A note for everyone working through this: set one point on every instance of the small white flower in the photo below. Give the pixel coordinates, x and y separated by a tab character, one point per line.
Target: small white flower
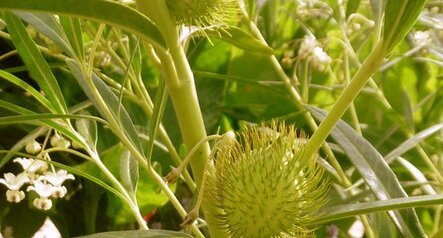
31	165
44	190
310	49
15	196
42	203
14	182
59	192
58	178
422	37
33	147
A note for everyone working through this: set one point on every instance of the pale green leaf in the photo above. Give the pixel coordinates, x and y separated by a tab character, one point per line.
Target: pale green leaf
109	12
400	16
375	171
129	171
333	213
239	38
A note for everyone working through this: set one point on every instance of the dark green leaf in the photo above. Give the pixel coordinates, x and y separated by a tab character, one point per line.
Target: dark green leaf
35	62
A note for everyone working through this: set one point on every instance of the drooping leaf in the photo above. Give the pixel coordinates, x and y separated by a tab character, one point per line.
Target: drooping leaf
35	62
111	102
109	12
48	26
375	171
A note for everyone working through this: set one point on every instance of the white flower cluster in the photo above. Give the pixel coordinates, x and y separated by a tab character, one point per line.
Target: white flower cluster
38	177
311	50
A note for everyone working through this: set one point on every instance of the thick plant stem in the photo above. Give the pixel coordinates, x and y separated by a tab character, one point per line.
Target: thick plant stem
368	68
180	83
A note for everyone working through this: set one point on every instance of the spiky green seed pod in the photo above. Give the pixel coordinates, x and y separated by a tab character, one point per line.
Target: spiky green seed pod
263	186
203	13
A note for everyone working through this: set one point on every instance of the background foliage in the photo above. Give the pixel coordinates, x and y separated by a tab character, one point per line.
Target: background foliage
389	143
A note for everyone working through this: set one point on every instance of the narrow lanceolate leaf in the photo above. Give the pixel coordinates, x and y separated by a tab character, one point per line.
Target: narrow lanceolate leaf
129	171
117	112
109	12
28	88
48	26
332	213
73	31
237	37
413	141
352	7
400	16
36	63
377	7
376	172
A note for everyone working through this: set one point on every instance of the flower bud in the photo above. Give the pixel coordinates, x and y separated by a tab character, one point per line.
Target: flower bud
33	147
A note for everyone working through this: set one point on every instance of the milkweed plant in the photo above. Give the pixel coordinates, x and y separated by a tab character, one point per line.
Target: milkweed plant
297	118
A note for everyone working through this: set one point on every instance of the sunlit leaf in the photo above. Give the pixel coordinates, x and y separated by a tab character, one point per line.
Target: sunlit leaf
111	12
400	16
375	171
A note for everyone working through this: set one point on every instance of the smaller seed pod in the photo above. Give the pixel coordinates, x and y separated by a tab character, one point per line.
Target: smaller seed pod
263	185
203	13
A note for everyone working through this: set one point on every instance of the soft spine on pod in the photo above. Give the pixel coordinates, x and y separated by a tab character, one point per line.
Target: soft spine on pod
263	186
203	13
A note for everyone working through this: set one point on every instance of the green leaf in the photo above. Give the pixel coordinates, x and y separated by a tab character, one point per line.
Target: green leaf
400	16
375	171
333	213
239	38
117	110
35	62
88	129
377	7
413	141
139	234
28	88
48	26
352	7
73	31
129	171
109	12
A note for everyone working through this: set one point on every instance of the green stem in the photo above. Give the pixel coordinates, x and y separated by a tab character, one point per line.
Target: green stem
180	82
368	68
